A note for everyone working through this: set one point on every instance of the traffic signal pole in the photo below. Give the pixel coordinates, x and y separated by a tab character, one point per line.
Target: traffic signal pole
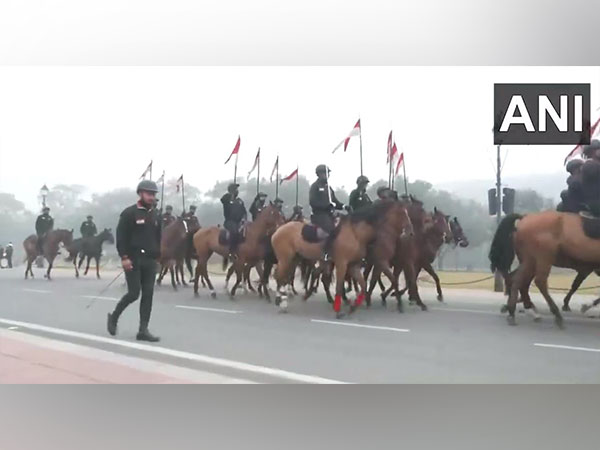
498	281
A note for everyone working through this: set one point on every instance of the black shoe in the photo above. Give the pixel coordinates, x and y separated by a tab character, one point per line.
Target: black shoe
111	325
147	336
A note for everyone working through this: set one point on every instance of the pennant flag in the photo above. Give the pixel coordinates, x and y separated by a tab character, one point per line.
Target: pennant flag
400	160
275	168
355	132
179	183
290	176
256	160
162	178
578	150
390	148
147	171
235	150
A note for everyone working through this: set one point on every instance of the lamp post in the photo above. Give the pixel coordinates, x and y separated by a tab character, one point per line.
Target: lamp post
44	191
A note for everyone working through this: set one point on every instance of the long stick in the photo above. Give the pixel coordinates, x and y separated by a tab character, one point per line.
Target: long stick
405	181
183	193
162	192
151	164
258	174
297	176
277	179
235	168
360	136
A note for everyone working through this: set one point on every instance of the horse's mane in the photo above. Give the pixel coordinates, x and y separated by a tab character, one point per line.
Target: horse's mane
370	214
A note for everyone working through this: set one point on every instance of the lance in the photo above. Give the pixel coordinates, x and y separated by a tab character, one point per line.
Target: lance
162	192
183	193
360	137
277	179
297	176
258	174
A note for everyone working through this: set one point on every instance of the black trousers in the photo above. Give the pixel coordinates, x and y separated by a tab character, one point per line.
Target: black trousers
139	279
235	237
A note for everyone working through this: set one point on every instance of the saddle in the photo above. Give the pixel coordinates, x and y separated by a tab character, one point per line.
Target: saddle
309	234
591	225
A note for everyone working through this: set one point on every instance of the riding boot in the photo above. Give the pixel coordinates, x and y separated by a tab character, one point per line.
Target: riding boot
145	335
111	324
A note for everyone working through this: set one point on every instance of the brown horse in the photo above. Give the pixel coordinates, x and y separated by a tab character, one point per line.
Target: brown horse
349	247
249	252
173	248
49	248
540	240
89	247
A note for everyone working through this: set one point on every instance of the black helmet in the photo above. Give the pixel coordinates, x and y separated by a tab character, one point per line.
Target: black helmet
192	207
592	146
278	200
382	189
232	187
148	186
262	194
45	209
297	208
90	217
169	208
362	180
322	168
573	165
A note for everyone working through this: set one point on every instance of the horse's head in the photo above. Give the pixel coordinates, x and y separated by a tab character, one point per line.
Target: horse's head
271	217
398	214
107	236
457	233
441	225
417	214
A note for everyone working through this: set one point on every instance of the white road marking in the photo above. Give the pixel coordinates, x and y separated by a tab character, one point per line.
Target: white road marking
568	347
374	327
199	308
37	291
96	297
220	362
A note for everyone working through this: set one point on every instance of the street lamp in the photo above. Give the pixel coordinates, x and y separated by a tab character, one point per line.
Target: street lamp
44	191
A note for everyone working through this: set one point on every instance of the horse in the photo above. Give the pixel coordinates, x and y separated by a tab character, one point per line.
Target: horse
90	247
49	248
173	248
423	250
349	246
540	241
250	251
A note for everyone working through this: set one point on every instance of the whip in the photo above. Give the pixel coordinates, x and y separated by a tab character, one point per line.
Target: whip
104	290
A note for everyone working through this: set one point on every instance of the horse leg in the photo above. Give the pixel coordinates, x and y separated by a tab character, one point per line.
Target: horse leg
410	273
526	280
429	269
81	258
75	267
541	281
341	268
50	262
97	267
387	271
239	268
521	279
580	278
247	270
87	266
172	272
227	277
359	280
374	277
197	277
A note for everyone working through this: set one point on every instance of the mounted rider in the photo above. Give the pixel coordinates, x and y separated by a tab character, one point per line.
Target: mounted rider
359	197
323	203
235	216
189	214
167	217
258	204
590	178
297	214
278	203
88	228
43	224
572	199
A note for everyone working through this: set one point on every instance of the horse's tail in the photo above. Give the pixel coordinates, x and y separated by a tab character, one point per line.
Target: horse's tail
267	268
225	263
502	250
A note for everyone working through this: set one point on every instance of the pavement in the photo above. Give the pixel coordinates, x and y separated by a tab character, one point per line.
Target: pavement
54	332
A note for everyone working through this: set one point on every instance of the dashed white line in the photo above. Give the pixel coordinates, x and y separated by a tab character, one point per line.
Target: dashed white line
37	291
219	362
96	297
568	347
200	308
373	327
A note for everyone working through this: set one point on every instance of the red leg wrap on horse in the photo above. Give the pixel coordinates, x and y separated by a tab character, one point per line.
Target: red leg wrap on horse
337	303
360	299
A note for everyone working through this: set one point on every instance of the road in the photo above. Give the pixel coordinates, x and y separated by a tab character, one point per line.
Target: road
463	340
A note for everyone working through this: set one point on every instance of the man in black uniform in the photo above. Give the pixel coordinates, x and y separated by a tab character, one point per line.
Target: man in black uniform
138	245
278	203
43	225
235	215
297	214
359	197
191	213
8	252
167	217
257	205
88	228
323	202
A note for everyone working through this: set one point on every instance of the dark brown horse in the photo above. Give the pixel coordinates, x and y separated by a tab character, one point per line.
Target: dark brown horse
349	247
174	248
90	247
49	248
249	252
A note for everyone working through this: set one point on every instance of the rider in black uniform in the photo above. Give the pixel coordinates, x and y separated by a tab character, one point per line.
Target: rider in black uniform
43	224
235	215
257	205
572	197
167	218
88	228
590	178
359	197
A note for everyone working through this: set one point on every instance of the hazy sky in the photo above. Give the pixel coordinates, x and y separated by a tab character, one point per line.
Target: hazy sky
100	126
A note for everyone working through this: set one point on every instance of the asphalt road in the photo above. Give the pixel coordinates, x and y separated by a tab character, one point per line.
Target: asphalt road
463	340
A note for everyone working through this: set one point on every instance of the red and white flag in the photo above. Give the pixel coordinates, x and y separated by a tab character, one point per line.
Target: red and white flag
147	171
355	132
290	176
179	183
400	160
161	179
578	150
391	152
256	162
275	168
235	150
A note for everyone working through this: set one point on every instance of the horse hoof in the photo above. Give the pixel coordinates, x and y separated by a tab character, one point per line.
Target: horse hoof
566	308
440	298
196	294
352	309
340	315
400	307
585	308
559	322
213	295
503	309
511	320
283	305
537	319
423	307
278	300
